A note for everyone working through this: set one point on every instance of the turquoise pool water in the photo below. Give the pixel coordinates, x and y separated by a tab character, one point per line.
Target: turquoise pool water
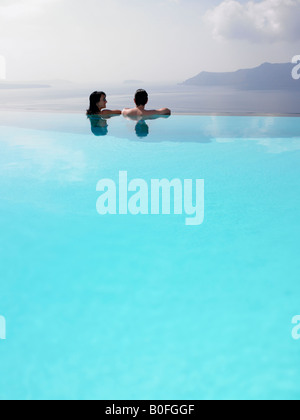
144	307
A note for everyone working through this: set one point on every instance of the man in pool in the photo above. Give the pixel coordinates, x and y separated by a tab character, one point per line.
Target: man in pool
141	100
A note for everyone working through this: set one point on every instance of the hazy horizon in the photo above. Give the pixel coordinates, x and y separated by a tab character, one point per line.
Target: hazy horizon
165	41
180	99
119	83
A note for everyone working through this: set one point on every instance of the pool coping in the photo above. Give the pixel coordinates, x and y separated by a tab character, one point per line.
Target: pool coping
201	114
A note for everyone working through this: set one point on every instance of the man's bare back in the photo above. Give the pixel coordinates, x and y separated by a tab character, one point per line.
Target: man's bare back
139	112
141	100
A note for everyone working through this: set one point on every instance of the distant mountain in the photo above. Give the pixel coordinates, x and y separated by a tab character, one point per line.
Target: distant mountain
265	77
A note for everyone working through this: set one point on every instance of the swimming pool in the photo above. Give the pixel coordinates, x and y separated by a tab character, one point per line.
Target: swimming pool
145	307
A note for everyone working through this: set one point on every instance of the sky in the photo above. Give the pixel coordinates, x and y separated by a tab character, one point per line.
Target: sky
153	41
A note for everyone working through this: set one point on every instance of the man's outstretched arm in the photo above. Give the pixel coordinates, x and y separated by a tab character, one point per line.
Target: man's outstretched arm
163	111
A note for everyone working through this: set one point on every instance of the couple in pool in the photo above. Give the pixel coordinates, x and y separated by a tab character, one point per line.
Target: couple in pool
98	104
98	114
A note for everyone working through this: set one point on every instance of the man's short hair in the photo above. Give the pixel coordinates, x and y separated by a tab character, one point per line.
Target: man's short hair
141	97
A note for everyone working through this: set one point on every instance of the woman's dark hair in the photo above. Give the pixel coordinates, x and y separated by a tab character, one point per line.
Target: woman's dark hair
141	97
94	99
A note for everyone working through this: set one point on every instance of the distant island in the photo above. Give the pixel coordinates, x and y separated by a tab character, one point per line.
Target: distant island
265	77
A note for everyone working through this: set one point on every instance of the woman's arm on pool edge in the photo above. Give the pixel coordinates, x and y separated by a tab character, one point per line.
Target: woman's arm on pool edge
109	112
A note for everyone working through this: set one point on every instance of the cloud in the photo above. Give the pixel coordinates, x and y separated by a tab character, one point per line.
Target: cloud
263	21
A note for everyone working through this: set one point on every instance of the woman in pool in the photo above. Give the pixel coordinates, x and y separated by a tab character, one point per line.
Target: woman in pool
98	104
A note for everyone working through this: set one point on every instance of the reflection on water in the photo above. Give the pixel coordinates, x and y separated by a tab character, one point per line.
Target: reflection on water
64	145
176	129
99	126
142	129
